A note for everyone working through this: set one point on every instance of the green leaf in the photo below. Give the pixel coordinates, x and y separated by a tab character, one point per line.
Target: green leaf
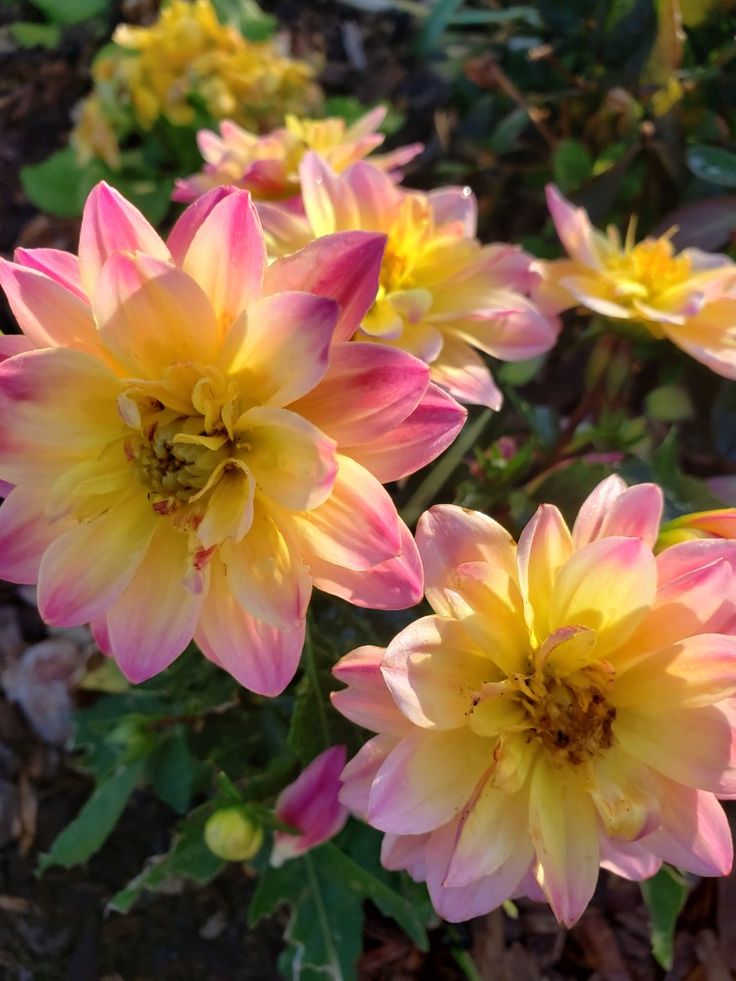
506	134
664	895
572	165
435	24
188	856
94	823
306	737
347	107
519	373
444	467
325	930
71	11
669	403
54	185
247	16
712	164
309	730
341	867
29	35
171	770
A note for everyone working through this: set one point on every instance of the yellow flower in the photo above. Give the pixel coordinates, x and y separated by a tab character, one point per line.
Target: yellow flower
688	297
93	136
187	55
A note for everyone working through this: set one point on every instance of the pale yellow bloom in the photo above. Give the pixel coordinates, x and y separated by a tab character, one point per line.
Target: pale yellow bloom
93	136
689	297
268	166
184	59
187	50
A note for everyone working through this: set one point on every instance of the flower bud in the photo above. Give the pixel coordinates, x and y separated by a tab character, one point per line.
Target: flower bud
231	834
310	805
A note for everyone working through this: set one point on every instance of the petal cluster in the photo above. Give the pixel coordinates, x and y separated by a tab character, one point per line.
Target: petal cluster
185	58
442	295
268	166
688	297
192	446
718	523
311	806
569	705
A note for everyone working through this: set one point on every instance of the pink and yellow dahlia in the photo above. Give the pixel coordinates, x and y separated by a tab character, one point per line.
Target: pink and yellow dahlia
442	294
719	523
568	705
268	166
688	297
191	444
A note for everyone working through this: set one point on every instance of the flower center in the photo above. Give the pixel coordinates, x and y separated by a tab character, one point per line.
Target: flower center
573	721
406	242
648	269
567	713
181	441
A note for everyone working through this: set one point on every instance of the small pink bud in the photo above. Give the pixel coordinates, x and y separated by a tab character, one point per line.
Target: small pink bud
310	804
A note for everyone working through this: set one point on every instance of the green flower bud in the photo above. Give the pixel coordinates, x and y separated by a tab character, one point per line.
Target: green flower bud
231	834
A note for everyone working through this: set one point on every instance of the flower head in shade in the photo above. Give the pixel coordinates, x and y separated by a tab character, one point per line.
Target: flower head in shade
568	705
310	805
192	445
689	297
719	523
442	295
268	166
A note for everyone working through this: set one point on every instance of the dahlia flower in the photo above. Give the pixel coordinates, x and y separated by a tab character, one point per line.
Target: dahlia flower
187	50
568	705
688	297
442	294
268	166
192	446
310	805
719	523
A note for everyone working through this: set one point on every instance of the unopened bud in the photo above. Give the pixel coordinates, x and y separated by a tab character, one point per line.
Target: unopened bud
232	835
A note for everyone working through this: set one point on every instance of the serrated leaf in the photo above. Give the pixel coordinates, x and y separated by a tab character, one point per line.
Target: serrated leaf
325	929
97	819
171	770
337	865
189	856
664	895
